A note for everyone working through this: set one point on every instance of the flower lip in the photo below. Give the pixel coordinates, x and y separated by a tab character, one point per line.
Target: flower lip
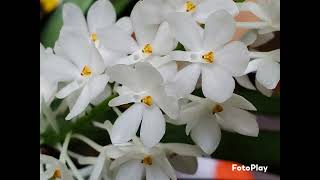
147	49
147	160
190	6
147	100
217	108
86	71
208	57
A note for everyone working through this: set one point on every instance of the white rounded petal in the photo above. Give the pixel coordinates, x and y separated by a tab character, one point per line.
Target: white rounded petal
73	18
263	90
165	166
151	11
207	134
100	14
186	79
164	41
101	163
132	170
125	24
238	120
127	124
234	57
80	105
168	71
249	38
153	126
68	89
155	173
57	69
144	33
168	104
245	82
102	96
220	28
116	39
186	30
205	8
253	65
217	84
240	102
148	76
268	74
122	99
97	65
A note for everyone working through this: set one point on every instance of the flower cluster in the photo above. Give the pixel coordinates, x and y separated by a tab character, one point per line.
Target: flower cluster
153	61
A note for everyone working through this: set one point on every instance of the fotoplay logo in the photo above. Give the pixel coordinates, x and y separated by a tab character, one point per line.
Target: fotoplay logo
252	167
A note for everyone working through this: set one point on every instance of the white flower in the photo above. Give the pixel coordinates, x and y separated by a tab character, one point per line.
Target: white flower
81	68
53	169
138	161
142	85
101	18
253	39
155	11
210	54
268	11
267	67
205	117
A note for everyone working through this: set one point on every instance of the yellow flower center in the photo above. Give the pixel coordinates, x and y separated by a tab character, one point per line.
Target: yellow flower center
190	6
147	160
147	49
49	5
147	100
217	108
208	57
86	71
94	37
56	174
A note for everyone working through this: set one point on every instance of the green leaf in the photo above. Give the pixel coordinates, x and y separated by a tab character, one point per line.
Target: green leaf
51	29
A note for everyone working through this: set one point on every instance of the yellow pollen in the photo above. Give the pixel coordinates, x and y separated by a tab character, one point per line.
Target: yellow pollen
208	57
147	100
49	5
56	174
218	108
94	37
147	49
86	71
190	6
147	160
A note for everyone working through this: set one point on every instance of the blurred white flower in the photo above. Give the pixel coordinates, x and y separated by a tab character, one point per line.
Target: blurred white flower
211	55
143	86
205	117
268	11
156	11
81	68
52	168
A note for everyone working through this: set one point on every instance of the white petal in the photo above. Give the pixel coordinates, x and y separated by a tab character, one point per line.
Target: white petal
240	102
238	120
81	103
234	57
168	71
97	65
207	134
263	90
268	74
255	9
73	18
220	28
122	99
186	79
116	39
102	96
186	30
249	38
132	170
168	104
262	39
155	173
153	126
253	65
164	41
217	84
144	32
245	82
148	76
151	11
68	89
165	166
125	24
205	8
99	166
59	69
127	124
101	14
